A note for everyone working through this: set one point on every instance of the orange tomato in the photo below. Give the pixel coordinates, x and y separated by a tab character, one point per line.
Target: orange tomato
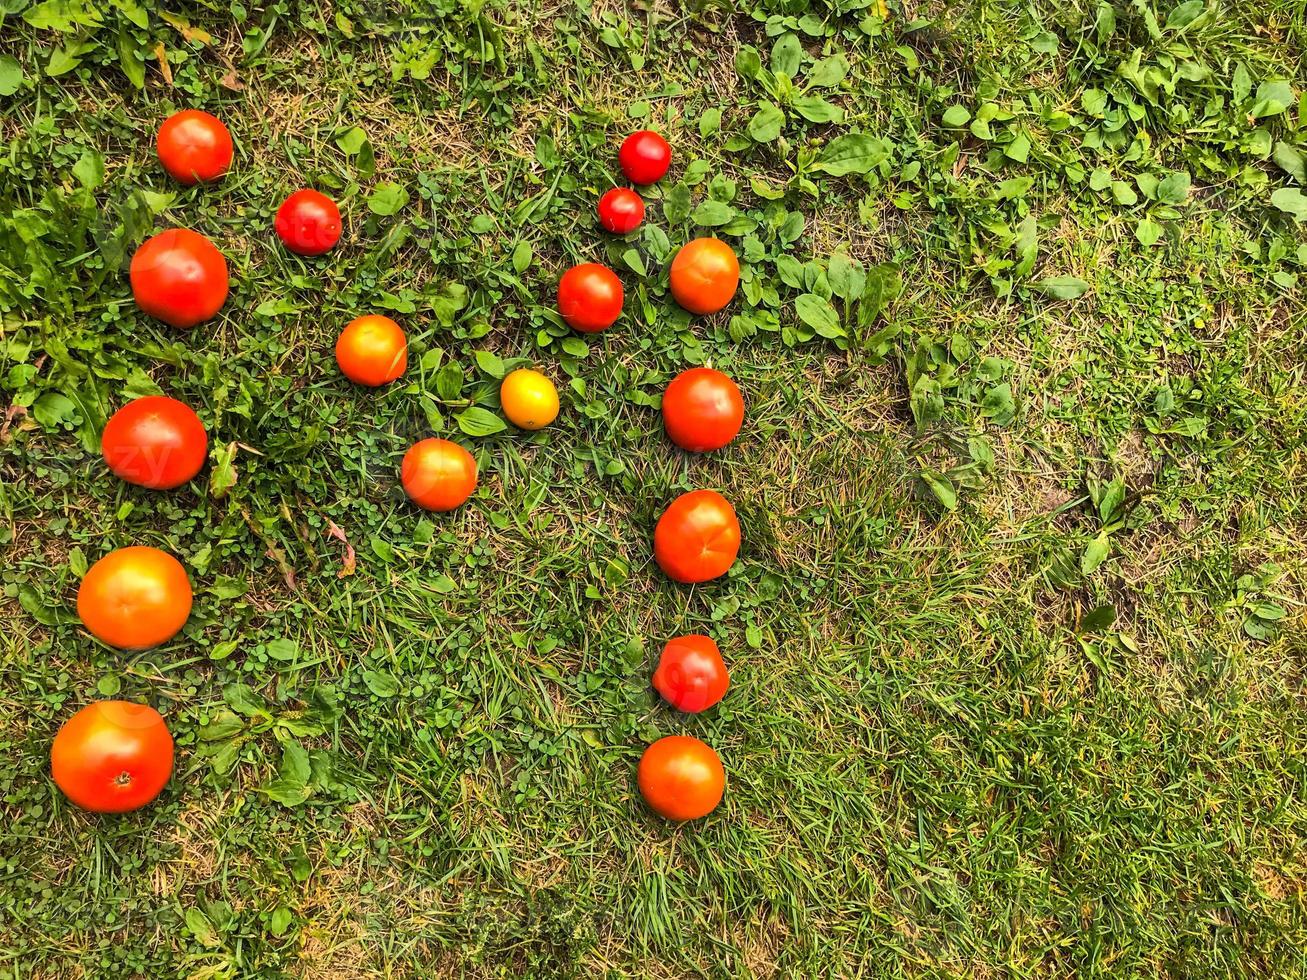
438	474
135	598
112	756
705	275
698	537
681	778
372	350
529	399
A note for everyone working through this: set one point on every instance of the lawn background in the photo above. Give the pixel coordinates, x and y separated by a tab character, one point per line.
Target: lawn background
1016	637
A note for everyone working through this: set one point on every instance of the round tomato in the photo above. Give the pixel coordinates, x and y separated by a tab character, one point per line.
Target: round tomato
155	442
372	350
194	146
135	598
681	778
621	210
705	275
702	409
698	537
308	223
590	297
691	674
438	474
179	277
529	399
112	756
645	157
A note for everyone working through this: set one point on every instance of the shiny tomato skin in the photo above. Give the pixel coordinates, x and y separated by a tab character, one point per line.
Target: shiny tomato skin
698	537
156	442
135	598
644	157
438	474
705	275
308	222
112	756
621	210
681	778
590	297
691	675
702	410
372	350
179	277
194	146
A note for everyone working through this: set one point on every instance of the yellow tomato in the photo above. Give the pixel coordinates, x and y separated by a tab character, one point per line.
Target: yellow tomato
530	399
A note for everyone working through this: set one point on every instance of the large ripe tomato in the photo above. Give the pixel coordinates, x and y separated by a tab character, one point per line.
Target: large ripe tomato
179	277
529	399
698	537
702	409
308	223
590	297
372	350
621	210
438	474
112	756
194	146
645	157
135	598
156	442
705	275
681	778
691	674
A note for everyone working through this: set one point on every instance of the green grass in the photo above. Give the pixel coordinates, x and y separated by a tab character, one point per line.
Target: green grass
1016	636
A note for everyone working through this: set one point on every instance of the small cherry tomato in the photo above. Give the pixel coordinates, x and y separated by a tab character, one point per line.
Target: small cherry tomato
135	598
681	778
308	223
156	442
702	410
529	399
590	297
372	350
194	146
705	275
698	537
621	210
645	157
438	474
691	674
179	277
112	756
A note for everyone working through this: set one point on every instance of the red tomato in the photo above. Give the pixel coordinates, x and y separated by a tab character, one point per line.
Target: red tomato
691	674
135	598
308	223
645	157
179	277
702	409
621	210
681	778
438	474
194	146
155	442
590	297
698	537
112	756
705	275
372	350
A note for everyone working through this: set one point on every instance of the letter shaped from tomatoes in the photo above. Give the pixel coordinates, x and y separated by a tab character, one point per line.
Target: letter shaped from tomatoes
681	778
705	275
438	474
179	277
135	598
702	410
698	537
112	756
691	674
155	442
590	297
194	146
